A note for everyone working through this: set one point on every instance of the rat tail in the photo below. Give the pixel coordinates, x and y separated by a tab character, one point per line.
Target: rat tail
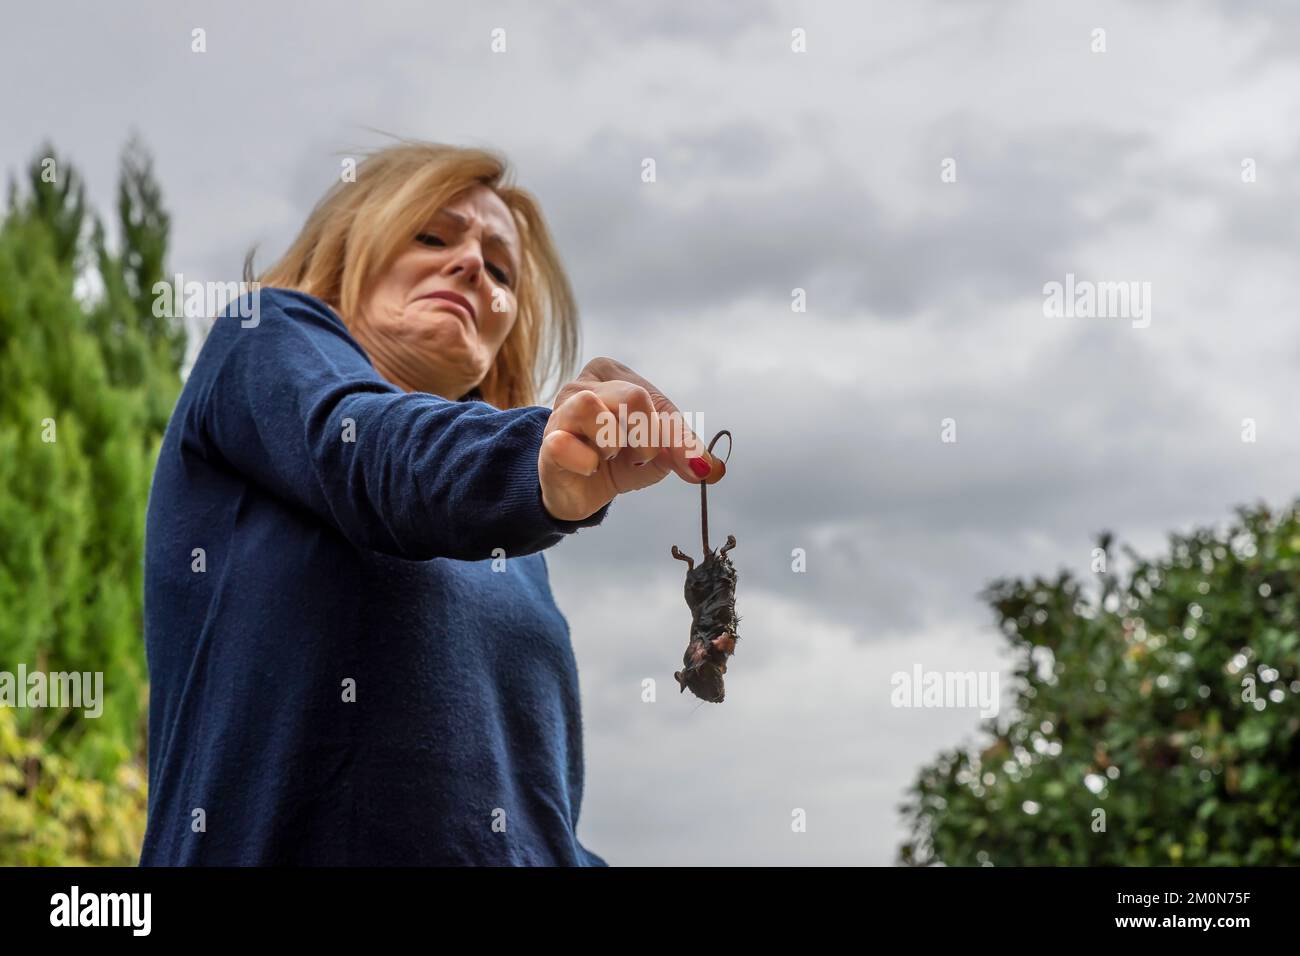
704	491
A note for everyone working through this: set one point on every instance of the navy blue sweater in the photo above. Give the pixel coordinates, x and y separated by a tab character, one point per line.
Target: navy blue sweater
346	673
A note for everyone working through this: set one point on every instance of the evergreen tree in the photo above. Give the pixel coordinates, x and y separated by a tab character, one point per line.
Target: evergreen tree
89	383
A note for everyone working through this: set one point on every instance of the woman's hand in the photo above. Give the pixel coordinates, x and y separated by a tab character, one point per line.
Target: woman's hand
587	458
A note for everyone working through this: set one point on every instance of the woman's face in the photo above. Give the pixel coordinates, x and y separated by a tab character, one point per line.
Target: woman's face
416	337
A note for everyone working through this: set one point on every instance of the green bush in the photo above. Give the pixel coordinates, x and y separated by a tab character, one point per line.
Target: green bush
53	815
1164	697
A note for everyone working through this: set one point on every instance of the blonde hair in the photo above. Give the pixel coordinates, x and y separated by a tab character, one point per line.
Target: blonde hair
359	228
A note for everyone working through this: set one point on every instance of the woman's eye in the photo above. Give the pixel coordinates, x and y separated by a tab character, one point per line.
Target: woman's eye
429	239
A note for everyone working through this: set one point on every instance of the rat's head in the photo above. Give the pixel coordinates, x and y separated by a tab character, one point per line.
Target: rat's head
704	680
703	667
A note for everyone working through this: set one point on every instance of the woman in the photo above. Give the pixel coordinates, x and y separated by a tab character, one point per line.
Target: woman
343	670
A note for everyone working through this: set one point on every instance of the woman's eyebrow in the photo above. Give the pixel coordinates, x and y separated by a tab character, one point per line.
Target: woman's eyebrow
495	238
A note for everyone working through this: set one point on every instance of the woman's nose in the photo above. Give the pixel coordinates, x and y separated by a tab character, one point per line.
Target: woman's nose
467	260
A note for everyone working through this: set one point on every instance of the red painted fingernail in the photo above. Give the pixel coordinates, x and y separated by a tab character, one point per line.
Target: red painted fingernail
699	466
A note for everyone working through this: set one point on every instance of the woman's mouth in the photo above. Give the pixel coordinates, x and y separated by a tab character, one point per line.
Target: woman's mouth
457	303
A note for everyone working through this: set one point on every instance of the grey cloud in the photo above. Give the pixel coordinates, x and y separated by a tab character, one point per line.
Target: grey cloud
1016	218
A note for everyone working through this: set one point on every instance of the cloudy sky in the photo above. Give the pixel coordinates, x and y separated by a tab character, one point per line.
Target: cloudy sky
780	170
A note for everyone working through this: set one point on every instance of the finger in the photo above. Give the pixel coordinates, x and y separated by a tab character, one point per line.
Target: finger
719	470
678	444
680	449
624	404
569	452
629	475
583	415
629	425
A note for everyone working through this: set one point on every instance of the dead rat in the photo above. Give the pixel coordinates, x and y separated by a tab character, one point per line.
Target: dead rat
711	595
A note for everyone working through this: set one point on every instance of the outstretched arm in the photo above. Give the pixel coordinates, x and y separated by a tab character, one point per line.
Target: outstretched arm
294	405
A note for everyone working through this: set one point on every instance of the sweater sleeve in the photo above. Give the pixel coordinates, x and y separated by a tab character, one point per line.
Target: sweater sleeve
293	404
